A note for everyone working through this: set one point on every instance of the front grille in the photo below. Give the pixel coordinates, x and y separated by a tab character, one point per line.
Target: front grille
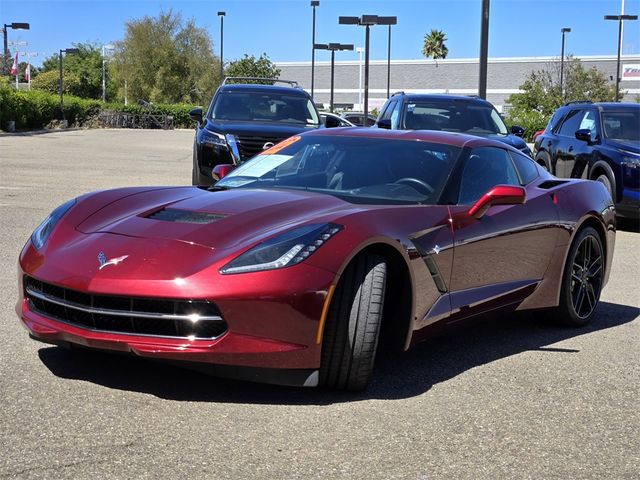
188	319
250	146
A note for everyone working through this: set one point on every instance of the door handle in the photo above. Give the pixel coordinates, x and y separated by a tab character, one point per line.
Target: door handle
571	148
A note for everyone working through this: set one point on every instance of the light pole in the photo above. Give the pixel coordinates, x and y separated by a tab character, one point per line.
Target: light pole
563	30
333	47
393	21
360	50
484	49
15	26
314	4
366	21
104	76
221	15
620	19
66	50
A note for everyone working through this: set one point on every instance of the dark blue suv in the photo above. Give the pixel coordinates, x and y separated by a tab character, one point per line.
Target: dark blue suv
245	118
449	113
596	141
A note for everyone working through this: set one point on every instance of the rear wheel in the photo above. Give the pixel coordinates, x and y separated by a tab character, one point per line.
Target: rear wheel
351	333
582	281
543	160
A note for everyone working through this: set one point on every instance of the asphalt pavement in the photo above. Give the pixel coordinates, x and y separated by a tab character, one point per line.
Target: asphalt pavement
512	397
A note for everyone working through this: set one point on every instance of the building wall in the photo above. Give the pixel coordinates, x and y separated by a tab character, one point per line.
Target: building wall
456	76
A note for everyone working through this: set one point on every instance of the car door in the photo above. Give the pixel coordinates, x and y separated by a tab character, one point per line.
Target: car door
568	146
500	258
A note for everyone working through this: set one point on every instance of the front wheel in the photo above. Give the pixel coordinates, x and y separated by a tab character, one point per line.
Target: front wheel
604	179
351	333
582	281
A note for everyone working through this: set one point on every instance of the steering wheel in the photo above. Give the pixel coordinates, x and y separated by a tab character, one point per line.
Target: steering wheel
416	182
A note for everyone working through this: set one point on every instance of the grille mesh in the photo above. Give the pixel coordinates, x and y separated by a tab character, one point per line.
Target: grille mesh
127	315
250	146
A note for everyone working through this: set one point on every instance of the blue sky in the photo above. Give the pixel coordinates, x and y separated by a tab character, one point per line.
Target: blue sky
282	28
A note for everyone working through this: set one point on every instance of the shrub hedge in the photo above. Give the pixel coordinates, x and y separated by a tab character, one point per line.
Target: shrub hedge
36	109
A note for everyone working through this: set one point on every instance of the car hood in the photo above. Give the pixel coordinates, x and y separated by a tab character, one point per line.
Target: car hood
259	129
626	145
214	219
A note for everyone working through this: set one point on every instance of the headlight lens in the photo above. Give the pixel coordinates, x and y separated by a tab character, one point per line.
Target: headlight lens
285	250
631	162
213	139
42	231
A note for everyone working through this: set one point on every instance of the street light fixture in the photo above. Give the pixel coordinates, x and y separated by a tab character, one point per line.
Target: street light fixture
314	4
67	51
563	30
366	21
333	47
620	19
104	76
221	15
15	26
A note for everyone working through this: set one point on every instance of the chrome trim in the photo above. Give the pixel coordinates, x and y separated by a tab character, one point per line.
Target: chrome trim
233	148
119	313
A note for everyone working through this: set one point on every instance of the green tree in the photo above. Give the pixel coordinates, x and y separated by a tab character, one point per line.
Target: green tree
49	81
250	66
541	94
434	46
165	60
86	65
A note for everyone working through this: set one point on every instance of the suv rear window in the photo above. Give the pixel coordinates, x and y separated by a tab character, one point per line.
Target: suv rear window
453	117
264	107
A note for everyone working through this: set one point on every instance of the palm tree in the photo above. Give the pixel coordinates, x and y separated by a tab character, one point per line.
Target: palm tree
434	45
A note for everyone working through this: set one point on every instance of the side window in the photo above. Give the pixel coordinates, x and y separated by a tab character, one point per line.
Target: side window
386	113
485	168
571	123
589	122
554	123
526	167
395	115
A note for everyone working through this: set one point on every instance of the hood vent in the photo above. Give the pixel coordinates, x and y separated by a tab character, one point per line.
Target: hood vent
184	216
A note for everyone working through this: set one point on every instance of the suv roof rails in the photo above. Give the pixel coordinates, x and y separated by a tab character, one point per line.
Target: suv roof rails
262	79
401	92
574	102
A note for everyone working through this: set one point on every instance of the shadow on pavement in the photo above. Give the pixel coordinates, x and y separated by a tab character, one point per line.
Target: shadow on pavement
396	376
628	224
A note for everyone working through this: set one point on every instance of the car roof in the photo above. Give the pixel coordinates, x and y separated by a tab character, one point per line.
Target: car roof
254	87
443	97
447	138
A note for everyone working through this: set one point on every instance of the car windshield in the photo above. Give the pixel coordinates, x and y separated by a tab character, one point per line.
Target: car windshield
453	116
264	107
356	169
622	125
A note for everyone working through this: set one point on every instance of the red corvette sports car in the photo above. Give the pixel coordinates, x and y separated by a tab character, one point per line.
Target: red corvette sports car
293	267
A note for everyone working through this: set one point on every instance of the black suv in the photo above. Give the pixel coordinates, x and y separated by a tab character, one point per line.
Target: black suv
245	118
449	113
596	141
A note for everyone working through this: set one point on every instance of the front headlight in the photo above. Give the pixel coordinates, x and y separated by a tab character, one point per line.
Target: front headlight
285	250
213	139
630	162
42	231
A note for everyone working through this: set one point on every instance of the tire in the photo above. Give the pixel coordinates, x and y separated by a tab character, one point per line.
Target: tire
606	181
352	329
581	286
543	160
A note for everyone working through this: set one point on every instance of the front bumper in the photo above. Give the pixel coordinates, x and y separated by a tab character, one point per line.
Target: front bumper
273	318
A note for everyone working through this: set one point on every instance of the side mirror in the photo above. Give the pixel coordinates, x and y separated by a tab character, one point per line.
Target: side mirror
221	171
584	134
196	115
498	195
384	123
331	122
517	130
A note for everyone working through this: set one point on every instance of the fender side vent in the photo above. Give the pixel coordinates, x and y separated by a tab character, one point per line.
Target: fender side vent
549	184
184	216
